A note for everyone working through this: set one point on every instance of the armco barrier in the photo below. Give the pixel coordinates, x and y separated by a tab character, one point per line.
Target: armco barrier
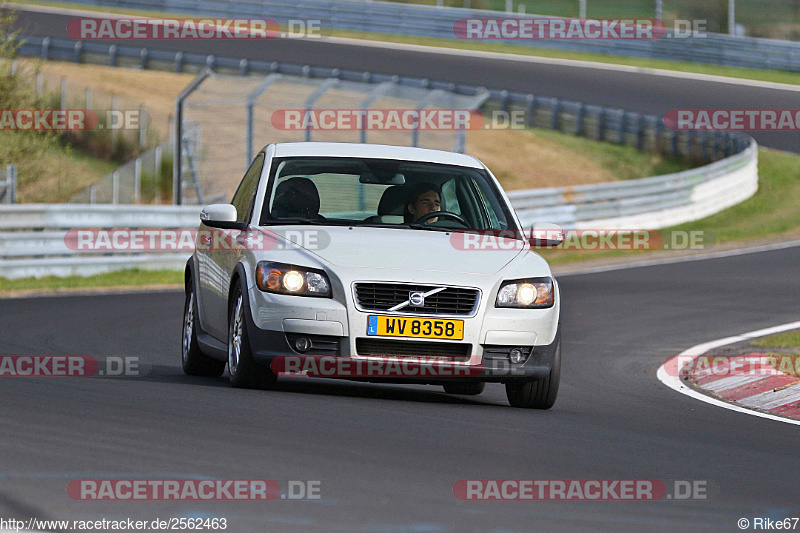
649	203
37	245
431	21
32	238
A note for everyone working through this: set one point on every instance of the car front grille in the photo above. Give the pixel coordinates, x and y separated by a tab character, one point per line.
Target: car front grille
384	296
453	350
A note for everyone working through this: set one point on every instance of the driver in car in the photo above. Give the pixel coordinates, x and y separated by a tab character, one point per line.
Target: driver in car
424	198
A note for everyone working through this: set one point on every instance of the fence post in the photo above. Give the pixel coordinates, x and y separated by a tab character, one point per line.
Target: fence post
137	180
93	194
46	48
601	124
11	183
114	132
640	133
177	157
530	104
555	110
63	92
178	63
158	162
88	98
142	126
115	187
157	172
39	83
579	117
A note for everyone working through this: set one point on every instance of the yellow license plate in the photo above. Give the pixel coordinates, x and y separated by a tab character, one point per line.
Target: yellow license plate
425	328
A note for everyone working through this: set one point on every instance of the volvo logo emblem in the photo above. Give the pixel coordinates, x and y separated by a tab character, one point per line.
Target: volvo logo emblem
416	299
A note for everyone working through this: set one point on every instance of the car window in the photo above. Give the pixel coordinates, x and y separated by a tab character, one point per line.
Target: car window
357	191
243	198
449	199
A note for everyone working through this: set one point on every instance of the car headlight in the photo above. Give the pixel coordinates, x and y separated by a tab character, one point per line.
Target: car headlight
289	279
533	293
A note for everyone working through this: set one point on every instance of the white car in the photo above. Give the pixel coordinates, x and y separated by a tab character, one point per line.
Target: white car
355	253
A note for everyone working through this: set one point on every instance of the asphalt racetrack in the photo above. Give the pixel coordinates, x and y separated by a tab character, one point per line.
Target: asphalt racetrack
387	456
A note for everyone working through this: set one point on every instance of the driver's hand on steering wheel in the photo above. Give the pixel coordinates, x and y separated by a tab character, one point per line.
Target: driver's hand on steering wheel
427	202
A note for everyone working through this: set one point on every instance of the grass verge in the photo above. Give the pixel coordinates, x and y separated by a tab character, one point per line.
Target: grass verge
680	66
122	278
789	339
770	214
789	345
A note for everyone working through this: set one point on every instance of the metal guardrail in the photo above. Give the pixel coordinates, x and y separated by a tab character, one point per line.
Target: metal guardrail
432	21
33	238
71	216
649	203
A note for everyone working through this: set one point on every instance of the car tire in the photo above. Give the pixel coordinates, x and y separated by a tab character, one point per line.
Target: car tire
539	393
194	361
466	389
244	372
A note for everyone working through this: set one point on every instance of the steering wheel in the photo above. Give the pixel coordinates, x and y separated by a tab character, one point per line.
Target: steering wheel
443	214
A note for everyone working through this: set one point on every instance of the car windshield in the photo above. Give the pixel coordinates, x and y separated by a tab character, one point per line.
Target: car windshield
380	192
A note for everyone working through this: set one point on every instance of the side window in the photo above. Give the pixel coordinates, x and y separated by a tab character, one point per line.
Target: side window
243	198
449	199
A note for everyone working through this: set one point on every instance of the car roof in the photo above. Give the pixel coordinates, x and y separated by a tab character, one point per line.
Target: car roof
374	151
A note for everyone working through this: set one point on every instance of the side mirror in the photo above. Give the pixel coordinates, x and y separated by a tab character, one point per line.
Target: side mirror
546	235
221	216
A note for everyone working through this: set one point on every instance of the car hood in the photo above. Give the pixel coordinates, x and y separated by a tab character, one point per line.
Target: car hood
402	249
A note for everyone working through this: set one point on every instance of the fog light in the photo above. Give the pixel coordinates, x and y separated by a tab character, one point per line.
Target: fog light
302	344
516	356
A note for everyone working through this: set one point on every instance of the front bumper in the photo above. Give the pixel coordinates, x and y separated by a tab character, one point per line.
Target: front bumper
275	321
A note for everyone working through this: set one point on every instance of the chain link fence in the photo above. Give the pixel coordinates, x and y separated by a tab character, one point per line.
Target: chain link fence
227	120
145	180
125	123
125	130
